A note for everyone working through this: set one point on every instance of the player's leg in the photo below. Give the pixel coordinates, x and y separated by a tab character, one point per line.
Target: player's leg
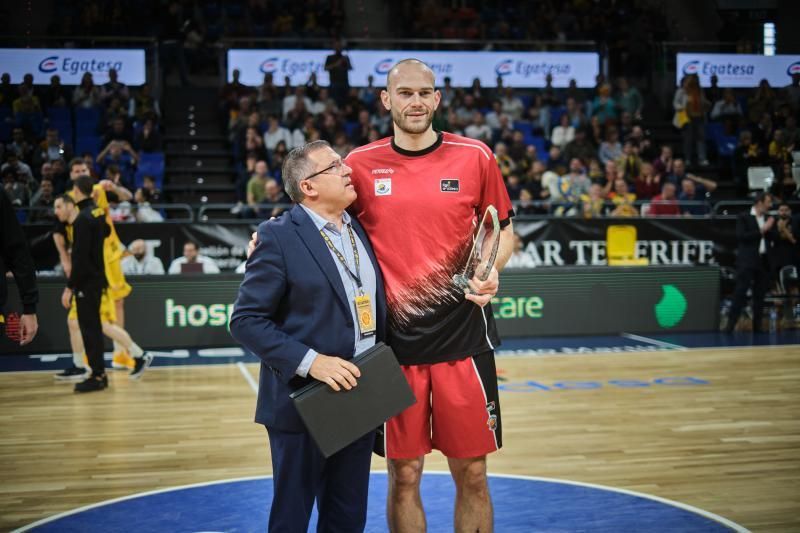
79	368
466	427
122	358
404	510
88	303
141	360
473	511
408	439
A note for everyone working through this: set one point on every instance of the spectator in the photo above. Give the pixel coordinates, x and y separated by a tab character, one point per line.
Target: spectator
273	195
761	102
118	131
17	191
784	242
268	97
42	202
520	259
53	147
727	107
575	114
630	163
513	186
534	183
465	111
255	189
149	185
87	94
580	147
564	133
448	92
539	117
276	133
234	91
714	93
593	204
663	165
780	151
610	149
148	140
369	94
556	160
569	188
792	92
690	111
338	66
143	105
629	98
21	171
478	129
623	200
647	183
596	173
504	161
192	261
20	146
144	211
56	95
526	205
791	132
121	154
114	88
603	106
140	262
693	193
665	204
493	117
511	104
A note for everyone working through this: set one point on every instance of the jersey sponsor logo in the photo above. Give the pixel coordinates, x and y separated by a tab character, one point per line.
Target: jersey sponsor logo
383	171
383	187
450	185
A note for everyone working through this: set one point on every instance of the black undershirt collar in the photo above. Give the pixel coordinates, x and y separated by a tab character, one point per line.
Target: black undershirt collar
424	151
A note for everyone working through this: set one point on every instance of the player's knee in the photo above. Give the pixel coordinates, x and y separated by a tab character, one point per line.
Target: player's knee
471	477
405	474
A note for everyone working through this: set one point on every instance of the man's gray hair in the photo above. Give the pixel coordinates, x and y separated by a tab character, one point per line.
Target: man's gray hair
298	166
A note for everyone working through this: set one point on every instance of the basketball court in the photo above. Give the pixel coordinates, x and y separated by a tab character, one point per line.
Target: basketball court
687	432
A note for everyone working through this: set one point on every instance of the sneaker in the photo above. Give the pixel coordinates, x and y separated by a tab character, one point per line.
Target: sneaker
92	383
72	373
122	361
141	364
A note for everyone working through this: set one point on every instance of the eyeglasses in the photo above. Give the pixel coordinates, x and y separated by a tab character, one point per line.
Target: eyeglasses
335	168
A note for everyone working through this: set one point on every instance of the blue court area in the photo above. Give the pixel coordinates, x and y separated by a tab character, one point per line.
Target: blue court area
527	346
521	505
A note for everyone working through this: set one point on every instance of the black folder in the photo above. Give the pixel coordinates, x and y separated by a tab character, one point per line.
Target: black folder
336	419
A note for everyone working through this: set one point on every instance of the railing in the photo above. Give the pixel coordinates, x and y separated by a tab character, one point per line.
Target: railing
413	44
205	212
26	214
734	207
575	209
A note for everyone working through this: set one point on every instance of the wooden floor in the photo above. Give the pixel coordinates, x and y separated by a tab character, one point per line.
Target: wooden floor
731	447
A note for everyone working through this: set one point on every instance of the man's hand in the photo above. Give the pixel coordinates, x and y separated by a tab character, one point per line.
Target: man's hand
29	325
66	298
251	246
768	224
334	371
483	291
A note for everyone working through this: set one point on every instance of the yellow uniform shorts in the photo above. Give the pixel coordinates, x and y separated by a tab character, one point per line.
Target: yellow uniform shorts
108	312
118	288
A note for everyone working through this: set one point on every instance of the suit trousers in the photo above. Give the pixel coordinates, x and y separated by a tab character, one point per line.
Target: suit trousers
87	303
747	276
301	474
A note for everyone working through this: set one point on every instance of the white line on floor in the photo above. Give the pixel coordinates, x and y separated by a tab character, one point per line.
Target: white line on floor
662	344
248	376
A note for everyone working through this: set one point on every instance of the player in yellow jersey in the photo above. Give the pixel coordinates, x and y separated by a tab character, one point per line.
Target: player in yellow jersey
112	306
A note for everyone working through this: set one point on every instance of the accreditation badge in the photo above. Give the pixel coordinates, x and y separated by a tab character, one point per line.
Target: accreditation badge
366	321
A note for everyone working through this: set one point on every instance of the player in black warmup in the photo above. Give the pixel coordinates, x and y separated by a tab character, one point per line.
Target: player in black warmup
87	281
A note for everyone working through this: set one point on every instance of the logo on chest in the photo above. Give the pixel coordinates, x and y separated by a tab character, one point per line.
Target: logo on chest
450	185
383	186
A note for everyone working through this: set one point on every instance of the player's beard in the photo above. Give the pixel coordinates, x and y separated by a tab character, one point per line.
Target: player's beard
402	122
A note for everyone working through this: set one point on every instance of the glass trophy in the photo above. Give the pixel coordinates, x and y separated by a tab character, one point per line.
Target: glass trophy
484	251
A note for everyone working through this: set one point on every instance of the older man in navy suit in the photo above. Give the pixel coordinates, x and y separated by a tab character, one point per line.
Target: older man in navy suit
312	298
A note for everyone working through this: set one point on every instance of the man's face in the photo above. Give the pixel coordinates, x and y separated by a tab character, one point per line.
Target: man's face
190	252
679	167
669	191
52	137
46	187
620	187
687	186
80	169
138	249
261	168
63	210
333	187
47	170
575	166
785	211
271	189
411	98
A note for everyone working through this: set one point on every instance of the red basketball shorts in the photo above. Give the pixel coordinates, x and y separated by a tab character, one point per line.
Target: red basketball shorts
457	411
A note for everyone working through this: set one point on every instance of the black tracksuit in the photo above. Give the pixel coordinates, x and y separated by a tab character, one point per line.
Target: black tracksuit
88	278
752	269
15	257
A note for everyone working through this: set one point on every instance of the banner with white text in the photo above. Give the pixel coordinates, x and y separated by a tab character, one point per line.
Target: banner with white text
70	64
518	69
738	70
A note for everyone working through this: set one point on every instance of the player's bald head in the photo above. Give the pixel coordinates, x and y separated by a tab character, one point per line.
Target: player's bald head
406	67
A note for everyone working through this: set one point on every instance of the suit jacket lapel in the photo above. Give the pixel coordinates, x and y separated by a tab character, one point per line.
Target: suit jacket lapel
319	251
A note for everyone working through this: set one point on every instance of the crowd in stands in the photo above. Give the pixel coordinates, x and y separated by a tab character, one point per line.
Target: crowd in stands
568	152
110	127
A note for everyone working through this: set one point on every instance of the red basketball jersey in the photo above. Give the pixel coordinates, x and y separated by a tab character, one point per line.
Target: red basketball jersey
420	210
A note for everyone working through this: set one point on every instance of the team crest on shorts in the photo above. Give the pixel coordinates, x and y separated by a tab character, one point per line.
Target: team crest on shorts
491	422
383	187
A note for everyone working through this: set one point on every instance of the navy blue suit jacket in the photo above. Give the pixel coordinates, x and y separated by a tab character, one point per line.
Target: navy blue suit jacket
292	299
